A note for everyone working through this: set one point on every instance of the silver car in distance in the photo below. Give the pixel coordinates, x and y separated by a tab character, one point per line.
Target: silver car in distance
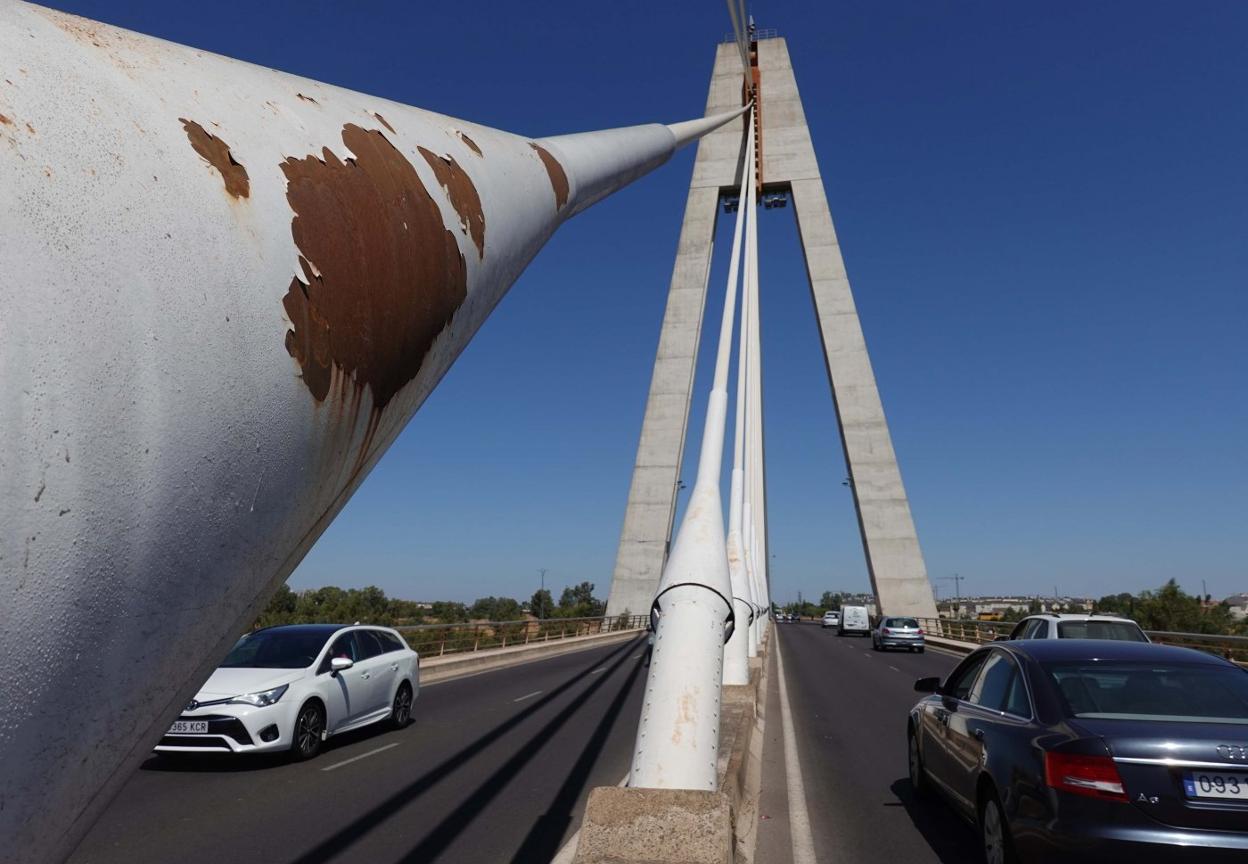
289	688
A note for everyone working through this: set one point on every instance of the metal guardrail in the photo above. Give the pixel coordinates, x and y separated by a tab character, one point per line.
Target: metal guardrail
1233	648
759	33
437	640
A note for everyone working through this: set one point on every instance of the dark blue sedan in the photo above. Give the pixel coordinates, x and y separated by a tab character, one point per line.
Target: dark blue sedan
1089	750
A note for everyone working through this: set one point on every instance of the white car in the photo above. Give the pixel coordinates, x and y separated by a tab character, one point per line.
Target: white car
1068	626
830	619
289	688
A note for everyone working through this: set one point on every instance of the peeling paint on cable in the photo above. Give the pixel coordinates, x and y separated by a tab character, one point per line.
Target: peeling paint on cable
217	153
382	121
472	145
558	179
382	275
463	194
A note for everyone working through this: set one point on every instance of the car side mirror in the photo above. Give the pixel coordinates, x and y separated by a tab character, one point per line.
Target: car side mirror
341	664
927	685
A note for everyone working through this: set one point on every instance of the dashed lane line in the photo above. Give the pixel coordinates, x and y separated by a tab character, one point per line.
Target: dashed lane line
361	756
528	696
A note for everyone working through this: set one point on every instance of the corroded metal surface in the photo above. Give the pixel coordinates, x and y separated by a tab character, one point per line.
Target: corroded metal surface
224	292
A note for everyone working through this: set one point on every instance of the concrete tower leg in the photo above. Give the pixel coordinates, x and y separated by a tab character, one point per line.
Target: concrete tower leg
651	508
894	560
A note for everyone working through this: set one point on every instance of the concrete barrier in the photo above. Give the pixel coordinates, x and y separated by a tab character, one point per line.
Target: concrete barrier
451	666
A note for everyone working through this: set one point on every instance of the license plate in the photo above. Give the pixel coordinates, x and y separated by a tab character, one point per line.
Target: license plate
1216	784
188	727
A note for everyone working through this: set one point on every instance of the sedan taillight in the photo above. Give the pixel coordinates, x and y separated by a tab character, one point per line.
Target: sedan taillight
920	631
887	632
1094	776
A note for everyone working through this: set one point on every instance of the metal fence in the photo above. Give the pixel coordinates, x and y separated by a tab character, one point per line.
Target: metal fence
436	640
978	632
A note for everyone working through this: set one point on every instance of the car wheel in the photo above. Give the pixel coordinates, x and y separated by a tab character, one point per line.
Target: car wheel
401	711
309	730
918	774
994	831
921	650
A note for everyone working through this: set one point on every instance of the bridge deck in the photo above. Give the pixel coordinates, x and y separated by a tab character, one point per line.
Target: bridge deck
490	771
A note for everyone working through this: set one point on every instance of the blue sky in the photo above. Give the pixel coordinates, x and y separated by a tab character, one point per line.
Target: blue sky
1043	211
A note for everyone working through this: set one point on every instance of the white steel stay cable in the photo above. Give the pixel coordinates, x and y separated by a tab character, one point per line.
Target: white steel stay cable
736	11
749	531
678	735
743	643
758	473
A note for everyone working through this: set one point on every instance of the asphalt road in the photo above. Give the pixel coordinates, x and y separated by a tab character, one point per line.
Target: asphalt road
495	768
849	707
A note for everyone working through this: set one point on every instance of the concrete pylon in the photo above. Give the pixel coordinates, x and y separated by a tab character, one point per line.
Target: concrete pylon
890	543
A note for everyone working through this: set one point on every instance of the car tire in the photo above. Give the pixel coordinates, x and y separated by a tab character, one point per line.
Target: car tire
401	708
920	650
309	732
994	831
919	784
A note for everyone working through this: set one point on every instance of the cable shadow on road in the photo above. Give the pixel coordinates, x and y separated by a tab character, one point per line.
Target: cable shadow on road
948	834
546	835
358	829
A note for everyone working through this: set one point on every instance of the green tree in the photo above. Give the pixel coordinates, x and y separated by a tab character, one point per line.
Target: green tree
541	604
449	613
830	601
281	609
578	601
495	609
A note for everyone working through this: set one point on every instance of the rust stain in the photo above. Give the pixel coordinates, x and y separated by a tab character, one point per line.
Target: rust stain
472	145
463	194
30	129
382	121
217	153
5	120
558	179
382	275
307	99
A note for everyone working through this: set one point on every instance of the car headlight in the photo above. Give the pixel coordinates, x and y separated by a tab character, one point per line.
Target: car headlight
268	697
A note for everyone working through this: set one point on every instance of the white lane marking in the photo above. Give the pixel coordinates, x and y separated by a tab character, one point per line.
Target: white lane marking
599	669
799	816
866	654
894	668
528	696
361	756
636	656
567	854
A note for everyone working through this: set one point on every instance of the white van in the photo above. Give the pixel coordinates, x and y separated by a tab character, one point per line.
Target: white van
854	619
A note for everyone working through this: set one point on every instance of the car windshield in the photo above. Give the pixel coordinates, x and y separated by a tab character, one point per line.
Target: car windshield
1153	691
1125	630
276	649
902	623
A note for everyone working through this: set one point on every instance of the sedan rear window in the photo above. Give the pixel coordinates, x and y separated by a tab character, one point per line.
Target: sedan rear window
1124	630
1150	691
902	623
275	649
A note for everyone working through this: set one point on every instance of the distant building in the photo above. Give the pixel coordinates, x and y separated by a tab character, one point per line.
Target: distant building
1239	606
